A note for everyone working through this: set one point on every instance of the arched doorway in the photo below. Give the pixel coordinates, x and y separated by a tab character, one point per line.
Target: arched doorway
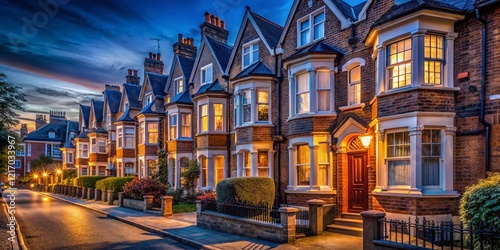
357	176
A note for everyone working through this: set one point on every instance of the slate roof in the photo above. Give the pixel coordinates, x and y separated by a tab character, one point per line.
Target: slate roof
71	127
113	98
83	134
182	98
400	10
86	114
346	9
98	107
317	48
256	69
42	134
132	91
270	30
213	87
186	64
148	109
222	51
158	83
126	116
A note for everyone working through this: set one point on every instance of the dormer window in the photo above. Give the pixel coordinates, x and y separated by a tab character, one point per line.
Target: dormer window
250	53
206	74
149	99
311	28
52	134
179	85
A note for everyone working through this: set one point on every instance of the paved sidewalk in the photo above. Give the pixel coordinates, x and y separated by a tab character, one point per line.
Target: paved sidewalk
182	227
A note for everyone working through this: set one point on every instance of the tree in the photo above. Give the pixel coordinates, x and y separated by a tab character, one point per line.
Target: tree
190	176
42	164
162	173
10	100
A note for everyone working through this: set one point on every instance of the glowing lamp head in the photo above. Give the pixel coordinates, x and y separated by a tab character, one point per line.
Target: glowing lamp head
36	176
366	139
44	174
59	171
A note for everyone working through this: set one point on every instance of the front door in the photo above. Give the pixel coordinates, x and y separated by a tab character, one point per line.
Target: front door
358	183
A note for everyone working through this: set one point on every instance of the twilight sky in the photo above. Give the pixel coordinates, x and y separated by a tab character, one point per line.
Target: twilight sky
63	53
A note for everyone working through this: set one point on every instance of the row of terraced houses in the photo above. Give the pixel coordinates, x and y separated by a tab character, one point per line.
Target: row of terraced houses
390	105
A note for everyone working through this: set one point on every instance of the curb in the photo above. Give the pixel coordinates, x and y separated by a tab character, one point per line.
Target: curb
19	244
160	232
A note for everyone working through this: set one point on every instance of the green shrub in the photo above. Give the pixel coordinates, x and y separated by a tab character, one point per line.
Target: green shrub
246	190
138	188
176	194
480	204
113	183
88	181
67	182
190	175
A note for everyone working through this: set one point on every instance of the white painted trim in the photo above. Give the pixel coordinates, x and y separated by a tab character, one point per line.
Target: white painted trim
210	65
310	16
352	63
355	106
249	44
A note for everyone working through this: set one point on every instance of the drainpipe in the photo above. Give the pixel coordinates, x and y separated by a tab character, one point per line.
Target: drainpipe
486	124
228	124
279	79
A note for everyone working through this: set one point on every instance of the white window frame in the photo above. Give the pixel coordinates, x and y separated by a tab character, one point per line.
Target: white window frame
400	158
28	151
252	89
221	117
310	19
258	104
55	148
203	73
101	150
411	62
72	158
250	53
125	137
120	133
263	167
187	125
173	126
203	116
21	150
142	132
157	132
51	135
298	94
353	94
93	145
219	169
179	84
82	150
17	164
149	99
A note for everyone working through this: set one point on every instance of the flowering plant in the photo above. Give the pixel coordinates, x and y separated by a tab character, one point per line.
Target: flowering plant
138	188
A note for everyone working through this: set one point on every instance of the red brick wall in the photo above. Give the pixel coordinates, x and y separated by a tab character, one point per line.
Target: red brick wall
416	100
415	206
95	157
125	152
147	150
211	141
301	199
250	134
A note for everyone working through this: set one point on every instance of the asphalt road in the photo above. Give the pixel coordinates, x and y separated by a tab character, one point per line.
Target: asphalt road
47	223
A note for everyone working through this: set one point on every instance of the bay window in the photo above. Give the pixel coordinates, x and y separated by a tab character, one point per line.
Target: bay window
218	116
142	133
263	105
302	93
399	63
173	126
120	137
204	118
219	168
398	158
129	137
305	34
250	53
324	163
247	168
70	157
84	150
129	169
303	165
204	171
186	125
93	144
434	58
247	106
323	90
152	132
102	146
354	88
431	157
263	163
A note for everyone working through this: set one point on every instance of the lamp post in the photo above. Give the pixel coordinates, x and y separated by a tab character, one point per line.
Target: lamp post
36	180
59	172
44	182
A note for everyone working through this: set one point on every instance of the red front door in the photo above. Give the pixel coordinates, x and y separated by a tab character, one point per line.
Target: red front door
358	183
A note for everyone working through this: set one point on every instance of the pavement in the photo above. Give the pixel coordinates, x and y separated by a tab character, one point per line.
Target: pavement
182	227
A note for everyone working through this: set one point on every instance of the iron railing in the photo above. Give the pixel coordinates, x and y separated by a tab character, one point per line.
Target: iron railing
301	220
263	213
443	235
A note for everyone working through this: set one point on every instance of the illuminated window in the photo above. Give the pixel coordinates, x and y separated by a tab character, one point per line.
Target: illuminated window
179	85
129	169
323	163
323	90
303	167
204	118
398	158
20	150
247	163
302	93
263	105
173	127
218	116
152	132
399	63
204	171
354	85
250	54
247	106
434	57
142	133
186	125
219	167
263	163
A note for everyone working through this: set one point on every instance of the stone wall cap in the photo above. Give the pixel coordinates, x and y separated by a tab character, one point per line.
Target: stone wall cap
288	209
316	202
147	196
373	214
166	197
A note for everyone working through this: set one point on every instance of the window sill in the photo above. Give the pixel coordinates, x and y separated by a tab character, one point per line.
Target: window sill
308	191
246	125
411	88
181	139
332	113
416	193
355	106
211	133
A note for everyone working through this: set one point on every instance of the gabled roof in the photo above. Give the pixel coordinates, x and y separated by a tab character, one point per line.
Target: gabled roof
97	107
42	134
268	31
83	134
411	6
132	91
148	109
71	127
186	64
316	48
182	98
213	87
85	111
347	10
220	51
256	69
126	116
113	98
157	83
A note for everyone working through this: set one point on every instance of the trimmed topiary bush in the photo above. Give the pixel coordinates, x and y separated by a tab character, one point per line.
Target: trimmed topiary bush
255	191
480	207
88	181
138	188
113	183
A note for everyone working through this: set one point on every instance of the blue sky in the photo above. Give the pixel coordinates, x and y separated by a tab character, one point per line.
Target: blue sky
63	53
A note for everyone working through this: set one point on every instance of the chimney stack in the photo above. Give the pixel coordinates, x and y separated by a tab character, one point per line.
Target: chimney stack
153	63
40	121
132	79
185	46
23	132
214	28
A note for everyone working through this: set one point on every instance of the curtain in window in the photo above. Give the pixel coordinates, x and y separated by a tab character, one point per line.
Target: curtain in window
173	127
129	137
186	125
302	93
218	113
354	85
324	163
219	167
431	157
323	90
305	32
303	167
319	26
152	132
398	146
247	107
204	171
204	117
263	164
246	163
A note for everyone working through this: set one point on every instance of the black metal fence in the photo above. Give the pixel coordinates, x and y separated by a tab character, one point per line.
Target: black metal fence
443	235
301	221
264	214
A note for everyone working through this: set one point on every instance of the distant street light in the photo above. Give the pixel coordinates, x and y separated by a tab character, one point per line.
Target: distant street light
44	182
59	172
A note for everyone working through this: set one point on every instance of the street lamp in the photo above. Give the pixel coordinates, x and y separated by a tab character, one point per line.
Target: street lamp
59	172
44	182
36	180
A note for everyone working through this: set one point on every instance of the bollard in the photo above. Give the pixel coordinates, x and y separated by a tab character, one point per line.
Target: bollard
120	199
111	197
90	193
166	206
148	202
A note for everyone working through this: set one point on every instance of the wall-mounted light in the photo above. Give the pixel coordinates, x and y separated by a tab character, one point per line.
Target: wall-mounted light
366	139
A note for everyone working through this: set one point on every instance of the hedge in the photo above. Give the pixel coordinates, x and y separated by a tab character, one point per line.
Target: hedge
87	181
479	207
255	191
113	183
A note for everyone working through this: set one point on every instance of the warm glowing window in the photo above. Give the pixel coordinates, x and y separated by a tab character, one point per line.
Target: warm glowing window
204	171
142	133
324	163
247	106
263	105
186	125
173	126
302	93
179	85
434	57
431	156
247	163
250	54
219	167
323	90
399	63
303	167
398	158
218	116
263	163
204	118
152	132
354	79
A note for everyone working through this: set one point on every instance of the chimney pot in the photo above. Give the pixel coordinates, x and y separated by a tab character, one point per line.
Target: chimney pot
223	24
150	54
207	17
192	41
158	57
217	21
135	72
129	72
179	36
212	19
154	56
